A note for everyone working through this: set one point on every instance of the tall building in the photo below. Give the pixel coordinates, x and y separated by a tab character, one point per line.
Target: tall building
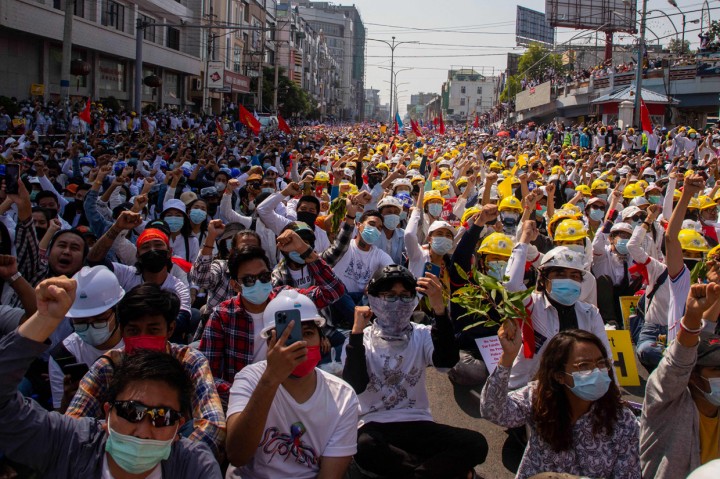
467	92
31	32
372	104
344	32
416	107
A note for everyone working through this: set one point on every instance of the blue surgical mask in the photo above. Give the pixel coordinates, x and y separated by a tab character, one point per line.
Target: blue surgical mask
175	223
403	215
597	215
197	216
580	204
435	209
441	245
591	385
136	455
654	199
257	293
602	196
713	397
370	234
565	291
268	190
94	336
391	221
542	210
621	246
295	256
358	215
496	269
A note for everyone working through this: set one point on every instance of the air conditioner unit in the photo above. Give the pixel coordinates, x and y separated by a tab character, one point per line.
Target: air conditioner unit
195	84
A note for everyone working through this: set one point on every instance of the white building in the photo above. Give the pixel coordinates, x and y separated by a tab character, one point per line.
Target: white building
467	92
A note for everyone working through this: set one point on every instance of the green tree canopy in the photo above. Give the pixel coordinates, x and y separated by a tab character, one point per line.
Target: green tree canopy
292	100
536	60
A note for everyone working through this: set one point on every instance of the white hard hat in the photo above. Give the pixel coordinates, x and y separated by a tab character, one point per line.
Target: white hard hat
174	204
98	290
401	182
442	225
649	172
624	227
389	201
563	257
286	300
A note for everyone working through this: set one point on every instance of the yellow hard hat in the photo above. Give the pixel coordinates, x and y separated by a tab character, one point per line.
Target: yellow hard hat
688	173
599	185
559	216
417	178
571	207
495	166
570	230
446	175
506	173
462	181
694	204
705	202
677	194
496	243
510	203
633	191
692	131
414	165
642	184
433	195
631	131
584	189
384	166
557	170
469	212
440	185
714	251
348	188
691	240
322	177
716	198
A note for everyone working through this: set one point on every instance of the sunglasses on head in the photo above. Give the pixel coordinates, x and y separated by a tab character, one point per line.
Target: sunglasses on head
134	412
251	279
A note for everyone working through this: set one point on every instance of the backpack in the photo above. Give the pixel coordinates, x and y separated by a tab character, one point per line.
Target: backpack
637	320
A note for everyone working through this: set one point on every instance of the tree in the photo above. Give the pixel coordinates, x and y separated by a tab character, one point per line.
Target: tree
532	65
677	47
292	100
512	88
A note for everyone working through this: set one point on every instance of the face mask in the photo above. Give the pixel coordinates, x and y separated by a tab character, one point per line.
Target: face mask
565	291
397	192
580	204
95	337
654	199
307	218
621	246
220	186
251	206
435	209
578	248
496	269
542	210
392	319
153	343
268	190
136	455
197	216
462	189
713	397
692	135
597	215
33	195
509	219
602	196
154	260
446	196
266	165
391	221
311	360
590	385
40	232
257	293
295	257
569	193
441	245
370	234
175	223
512	163
85	170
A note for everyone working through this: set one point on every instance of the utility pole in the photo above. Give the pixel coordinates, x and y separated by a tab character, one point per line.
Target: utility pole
392	46
67	53
210	48
261	70
638	71
139	33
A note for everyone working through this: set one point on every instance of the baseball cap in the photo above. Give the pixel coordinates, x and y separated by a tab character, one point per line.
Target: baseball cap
708	353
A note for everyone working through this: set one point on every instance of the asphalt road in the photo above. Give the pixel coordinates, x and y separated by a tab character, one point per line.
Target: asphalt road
459	406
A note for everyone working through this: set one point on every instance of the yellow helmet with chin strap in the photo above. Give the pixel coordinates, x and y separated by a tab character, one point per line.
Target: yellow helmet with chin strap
496	243
599	185
705	202
469	213
570	230
510	203
432	195
633	191
691	240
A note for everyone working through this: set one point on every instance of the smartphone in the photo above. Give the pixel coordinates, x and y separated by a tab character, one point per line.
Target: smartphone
12	174
76	370
432	269
282	320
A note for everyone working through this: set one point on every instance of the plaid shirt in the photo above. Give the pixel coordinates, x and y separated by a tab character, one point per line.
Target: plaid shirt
281	274
31	264
227	341
207	412
214	277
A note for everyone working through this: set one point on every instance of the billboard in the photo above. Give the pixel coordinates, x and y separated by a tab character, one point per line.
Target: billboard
532	26
603	15
215	75
513	63
535	96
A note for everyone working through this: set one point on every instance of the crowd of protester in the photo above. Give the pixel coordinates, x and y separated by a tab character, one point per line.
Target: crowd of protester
183	297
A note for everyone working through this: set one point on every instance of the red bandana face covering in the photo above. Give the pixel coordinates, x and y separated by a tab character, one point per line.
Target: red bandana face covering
306	367
154	343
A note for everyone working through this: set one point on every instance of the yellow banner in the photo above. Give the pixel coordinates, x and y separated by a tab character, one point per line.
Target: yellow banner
623	357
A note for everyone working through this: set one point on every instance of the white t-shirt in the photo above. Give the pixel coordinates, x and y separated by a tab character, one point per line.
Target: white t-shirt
128	278
296	435
396	391
301	277
84	352
679	290
259	343
356	267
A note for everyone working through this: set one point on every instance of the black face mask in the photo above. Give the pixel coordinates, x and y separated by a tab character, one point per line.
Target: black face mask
691	263
154	261
40	232
307	218
212	209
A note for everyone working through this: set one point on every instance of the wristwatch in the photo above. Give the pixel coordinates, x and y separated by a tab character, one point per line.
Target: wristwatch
15	277
307	253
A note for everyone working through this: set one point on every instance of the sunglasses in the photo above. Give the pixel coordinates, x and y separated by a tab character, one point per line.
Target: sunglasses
391	298
134	412
253	185
251	279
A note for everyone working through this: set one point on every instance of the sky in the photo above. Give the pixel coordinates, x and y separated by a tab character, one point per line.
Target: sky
472	34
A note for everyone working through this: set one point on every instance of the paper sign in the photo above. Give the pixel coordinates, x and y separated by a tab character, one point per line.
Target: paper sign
628	305
490	349
623	357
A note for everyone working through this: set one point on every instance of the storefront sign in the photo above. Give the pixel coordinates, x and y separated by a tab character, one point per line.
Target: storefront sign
111	75
236	82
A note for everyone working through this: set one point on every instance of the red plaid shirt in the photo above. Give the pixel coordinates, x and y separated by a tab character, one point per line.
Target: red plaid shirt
227	341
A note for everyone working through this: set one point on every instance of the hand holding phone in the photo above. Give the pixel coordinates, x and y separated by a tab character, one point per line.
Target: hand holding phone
12	174
283	319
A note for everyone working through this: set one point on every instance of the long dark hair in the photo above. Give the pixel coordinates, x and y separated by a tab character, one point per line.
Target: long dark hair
550	405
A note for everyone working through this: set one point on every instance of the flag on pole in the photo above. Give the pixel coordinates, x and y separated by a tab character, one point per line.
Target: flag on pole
415	128
645	117
283	126
476	123
219	128
397	129
442	125
247	119
398	121
85	114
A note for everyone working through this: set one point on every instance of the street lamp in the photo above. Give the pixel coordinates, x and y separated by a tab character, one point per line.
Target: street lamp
684	22
392	46
638	70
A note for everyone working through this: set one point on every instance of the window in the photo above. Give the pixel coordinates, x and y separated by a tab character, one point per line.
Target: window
478	102
462	90
148	32
479	90
227	53
113	15
246	12
173	38
79	7
462	100
237	59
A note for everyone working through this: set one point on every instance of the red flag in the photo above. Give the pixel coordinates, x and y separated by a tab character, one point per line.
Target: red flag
645	117
85	114
283	126
442	125
415	128
397	129
436	122
476	123
248	119
219	128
